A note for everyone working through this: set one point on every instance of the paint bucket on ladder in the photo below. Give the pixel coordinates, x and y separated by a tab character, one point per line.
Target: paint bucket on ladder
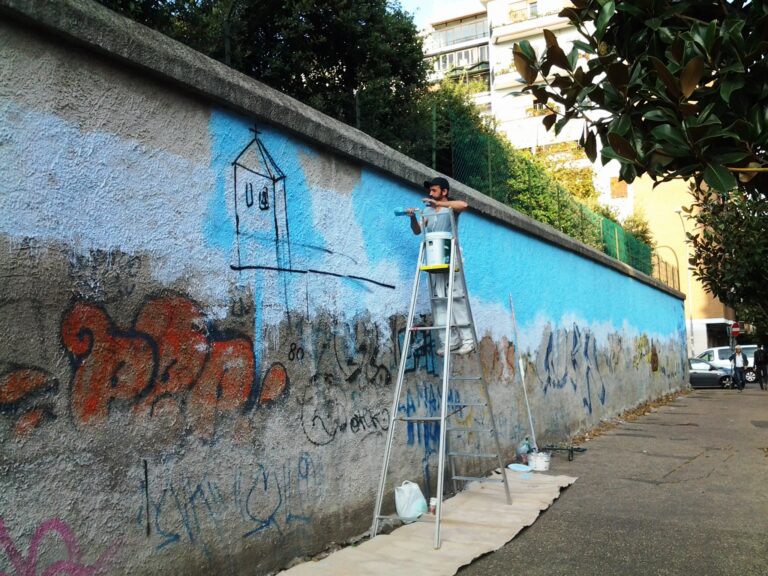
438	249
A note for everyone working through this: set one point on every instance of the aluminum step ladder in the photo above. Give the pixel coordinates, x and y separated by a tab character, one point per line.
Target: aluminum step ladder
450	412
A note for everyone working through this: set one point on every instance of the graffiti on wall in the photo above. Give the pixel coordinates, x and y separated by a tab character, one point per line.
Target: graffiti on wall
170	358
348	397
570	359
193	510
31	564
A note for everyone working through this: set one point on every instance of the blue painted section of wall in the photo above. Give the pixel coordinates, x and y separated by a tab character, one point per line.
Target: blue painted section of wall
499	261
543	278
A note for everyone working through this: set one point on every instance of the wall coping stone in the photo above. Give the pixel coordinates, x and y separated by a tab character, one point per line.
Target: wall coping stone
88	24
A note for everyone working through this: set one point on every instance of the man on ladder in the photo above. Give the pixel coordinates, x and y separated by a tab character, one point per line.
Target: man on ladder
437	218
454	327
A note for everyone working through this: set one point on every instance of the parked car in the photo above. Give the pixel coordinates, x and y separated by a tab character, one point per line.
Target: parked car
703	374
719	357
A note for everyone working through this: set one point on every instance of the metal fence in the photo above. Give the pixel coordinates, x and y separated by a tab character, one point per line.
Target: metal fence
481	160
665	272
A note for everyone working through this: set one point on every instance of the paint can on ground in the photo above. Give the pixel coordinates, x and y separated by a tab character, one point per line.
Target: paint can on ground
438	248
539	461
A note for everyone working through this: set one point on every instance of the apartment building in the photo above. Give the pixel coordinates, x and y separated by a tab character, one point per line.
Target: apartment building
479	45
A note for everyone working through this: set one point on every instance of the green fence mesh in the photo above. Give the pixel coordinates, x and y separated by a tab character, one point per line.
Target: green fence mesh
480	160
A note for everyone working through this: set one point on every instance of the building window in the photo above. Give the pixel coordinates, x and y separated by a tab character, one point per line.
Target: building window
533	9
618	188
463	58
537	109
460	32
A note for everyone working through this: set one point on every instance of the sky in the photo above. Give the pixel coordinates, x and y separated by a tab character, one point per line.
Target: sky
426	11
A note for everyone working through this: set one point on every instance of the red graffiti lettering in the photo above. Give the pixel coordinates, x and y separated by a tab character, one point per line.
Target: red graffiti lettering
178	328
165	363
225	383
274	384
110	365
19	394
20	383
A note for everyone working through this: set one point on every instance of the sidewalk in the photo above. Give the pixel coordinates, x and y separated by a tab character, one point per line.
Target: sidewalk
681	491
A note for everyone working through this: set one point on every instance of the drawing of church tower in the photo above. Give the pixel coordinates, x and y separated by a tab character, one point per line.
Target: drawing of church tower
261	219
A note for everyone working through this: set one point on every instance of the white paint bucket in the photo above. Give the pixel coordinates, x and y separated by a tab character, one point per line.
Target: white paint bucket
438	249
539	461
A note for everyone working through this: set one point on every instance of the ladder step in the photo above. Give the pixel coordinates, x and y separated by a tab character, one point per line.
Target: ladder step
395	518
422	328
478	479
465	429
434	267
446	297
465	378
472	454
461	404
418	418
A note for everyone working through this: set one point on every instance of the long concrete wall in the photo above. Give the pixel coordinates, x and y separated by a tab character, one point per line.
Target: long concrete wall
202	300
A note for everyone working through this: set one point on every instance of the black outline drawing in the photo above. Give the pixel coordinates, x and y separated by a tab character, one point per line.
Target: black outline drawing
272	197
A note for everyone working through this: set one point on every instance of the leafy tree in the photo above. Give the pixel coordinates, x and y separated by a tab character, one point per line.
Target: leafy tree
675	89
360	62
637	225
570	167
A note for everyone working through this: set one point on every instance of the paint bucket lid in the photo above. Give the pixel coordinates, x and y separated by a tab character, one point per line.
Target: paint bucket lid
439	235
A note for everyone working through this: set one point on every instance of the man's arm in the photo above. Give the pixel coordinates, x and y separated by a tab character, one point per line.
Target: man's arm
415	227
458	206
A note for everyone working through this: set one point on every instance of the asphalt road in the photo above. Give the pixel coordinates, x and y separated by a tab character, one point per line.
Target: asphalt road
680	491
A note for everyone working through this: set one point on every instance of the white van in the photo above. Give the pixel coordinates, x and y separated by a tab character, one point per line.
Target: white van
719	357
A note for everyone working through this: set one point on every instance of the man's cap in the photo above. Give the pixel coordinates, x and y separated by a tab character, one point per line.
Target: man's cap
437	181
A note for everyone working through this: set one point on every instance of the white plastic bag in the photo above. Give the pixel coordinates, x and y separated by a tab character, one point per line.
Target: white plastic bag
409	501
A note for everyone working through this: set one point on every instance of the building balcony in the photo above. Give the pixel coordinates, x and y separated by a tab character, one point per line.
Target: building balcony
506	79
509	31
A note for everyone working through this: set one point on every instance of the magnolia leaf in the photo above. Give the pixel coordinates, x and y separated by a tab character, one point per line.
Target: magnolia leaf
729	85
627	173
550	38
584	47
527	50
727	158
622	147
524	66
618	74
677	50
666	77
571	14
660	115
718	177
691	76
590	146
542	96
549	121
669	133
573	58
604	18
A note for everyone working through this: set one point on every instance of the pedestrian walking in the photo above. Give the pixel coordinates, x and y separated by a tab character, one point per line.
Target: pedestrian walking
738	362
761	362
